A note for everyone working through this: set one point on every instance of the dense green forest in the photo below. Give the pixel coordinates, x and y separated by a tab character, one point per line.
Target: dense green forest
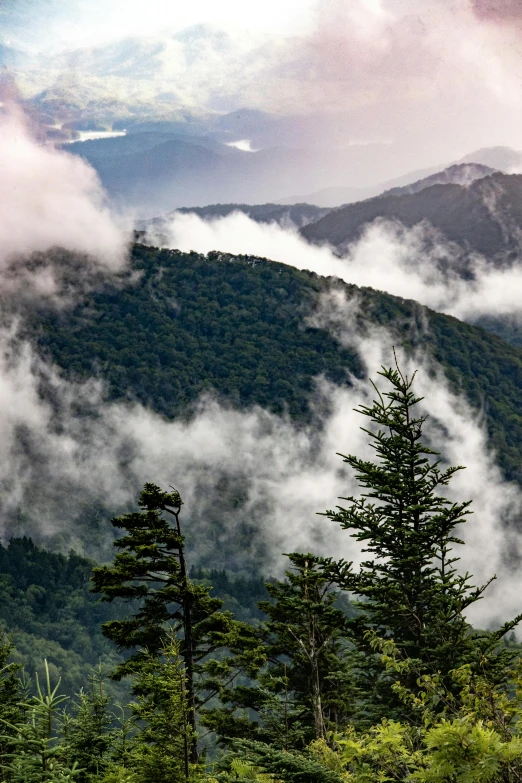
236	325
400	688
46	604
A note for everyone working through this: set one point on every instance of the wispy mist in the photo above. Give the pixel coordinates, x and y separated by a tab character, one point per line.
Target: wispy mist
50	199
252	482
417	263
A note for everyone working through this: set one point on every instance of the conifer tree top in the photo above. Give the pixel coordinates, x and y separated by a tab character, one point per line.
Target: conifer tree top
409	583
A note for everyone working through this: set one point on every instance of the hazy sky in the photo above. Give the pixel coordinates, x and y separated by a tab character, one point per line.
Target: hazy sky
76	23
439	77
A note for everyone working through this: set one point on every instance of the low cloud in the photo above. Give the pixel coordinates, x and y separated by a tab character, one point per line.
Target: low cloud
51	199
252	482
416	263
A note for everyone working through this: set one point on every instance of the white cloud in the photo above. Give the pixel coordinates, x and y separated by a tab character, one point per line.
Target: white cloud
284	473
50	199
438	79
388	257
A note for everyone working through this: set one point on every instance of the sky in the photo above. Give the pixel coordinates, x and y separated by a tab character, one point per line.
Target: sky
437	77
78	23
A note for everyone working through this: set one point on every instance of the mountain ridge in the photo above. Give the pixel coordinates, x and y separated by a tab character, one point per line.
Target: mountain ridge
483	217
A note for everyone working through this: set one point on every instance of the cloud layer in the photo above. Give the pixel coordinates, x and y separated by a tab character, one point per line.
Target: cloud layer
252	482
50	199
435	80
415	263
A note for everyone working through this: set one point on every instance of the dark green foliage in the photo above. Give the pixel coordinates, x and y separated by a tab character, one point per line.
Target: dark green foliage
239	594
307	644
289	766
410	585
37	754
159	750
193	324
46	603
150	568
305	687
10	694
237	325
89	733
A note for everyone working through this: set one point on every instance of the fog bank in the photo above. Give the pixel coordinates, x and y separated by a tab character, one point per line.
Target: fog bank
416	263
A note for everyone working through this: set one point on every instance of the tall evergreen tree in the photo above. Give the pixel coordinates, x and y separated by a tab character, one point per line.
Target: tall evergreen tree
151	570
410	588
304	687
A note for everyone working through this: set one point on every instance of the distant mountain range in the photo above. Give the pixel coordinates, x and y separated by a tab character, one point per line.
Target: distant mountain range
461	173
295	215
156	171
184	96
149	77
157	168
485	216
302	214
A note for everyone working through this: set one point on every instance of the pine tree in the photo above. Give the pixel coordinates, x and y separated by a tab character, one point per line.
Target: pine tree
159	753
410	588
88	734
37	754
304	685
151	570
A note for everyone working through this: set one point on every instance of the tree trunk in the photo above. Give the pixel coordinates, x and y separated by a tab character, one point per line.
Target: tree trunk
316	699
188	654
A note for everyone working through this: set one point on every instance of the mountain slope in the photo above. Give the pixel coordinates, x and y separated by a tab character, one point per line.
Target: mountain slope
295	215
47	605
484	217
237	325
459	174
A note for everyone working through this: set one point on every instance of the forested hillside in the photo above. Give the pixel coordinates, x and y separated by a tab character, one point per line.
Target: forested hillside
238	326
47	605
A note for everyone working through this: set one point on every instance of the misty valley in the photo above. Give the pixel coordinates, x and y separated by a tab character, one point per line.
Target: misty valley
260	392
